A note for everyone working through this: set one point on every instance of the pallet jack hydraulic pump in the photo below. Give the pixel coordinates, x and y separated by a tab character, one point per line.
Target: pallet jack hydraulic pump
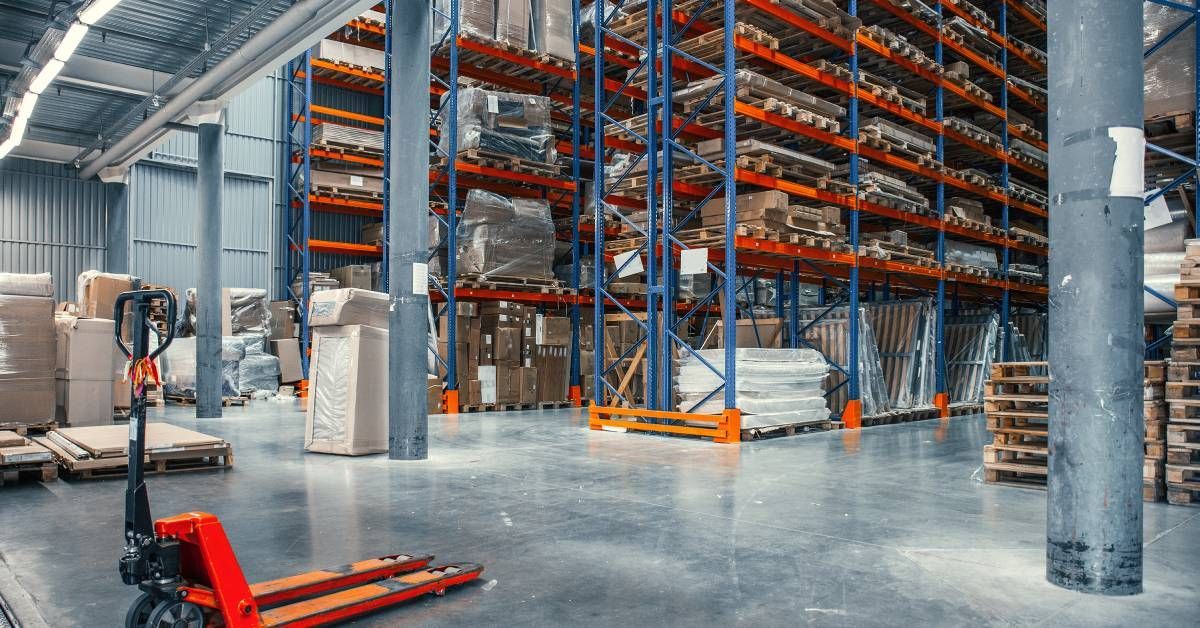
185	566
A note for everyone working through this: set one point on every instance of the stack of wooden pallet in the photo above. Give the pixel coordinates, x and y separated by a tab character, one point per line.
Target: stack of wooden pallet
1155	406
103	450
22	458
1183	389
1016	403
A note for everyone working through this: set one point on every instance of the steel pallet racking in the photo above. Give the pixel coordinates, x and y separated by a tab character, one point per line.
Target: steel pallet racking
457	59
662	47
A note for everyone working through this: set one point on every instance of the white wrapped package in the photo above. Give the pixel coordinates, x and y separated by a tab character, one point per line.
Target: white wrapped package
21	285
773	386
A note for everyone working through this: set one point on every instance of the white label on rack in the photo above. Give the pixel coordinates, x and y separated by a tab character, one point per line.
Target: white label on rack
420	276
356	180
1157	212
1129	164
493	104
633	267
693	261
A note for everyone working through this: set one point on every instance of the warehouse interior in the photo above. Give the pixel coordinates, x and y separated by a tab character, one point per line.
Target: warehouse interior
558	312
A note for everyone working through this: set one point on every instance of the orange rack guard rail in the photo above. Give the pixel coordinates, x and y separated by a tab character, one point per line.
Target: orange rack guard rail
727	425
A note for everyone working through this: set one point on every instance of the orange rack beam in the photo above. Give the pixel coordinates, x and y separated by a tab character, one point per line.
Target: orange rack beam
726	426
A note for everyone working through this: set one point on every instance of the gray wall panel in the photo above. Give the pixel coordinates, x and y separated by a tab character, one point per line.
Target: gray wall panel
50	221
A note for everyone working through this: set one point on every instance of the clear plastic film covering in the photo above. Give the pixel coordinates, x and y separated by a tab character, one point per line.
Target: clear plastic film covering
475	17
830	335
504	124
1170	72
513	21
249	311
27	340
258	372
553	28
330	388
968	254
587	19
178	366
773	386
499	236
21	285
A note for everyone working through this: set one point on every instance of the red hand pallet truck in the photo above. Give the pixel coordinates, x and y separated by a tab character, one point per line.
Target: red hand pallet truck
186	568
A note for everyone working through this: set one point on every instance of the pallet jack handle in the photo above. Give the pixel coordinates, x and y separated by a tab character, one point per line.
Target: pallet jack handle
138	562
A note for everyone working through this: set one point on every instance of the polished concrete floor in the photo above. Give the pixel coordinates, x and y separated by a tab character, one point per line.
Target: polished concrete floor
886	527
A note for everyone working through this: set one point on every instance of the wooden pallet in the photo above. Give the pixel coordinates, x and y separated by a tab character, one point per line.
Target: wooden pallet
191	401
790	429
552	405
32	472
1182	443
160	462
25	429
509	163
1183	484
497	407
520	284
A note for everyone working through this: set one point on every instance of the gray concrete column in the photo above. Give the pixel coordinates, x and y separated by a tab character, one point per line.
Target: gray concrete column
116	233
1094	496
210	177
408	420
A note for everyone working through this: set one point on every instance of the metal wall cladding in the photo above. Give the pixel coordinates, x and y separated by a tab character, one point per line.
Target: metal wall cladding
163	216
50	221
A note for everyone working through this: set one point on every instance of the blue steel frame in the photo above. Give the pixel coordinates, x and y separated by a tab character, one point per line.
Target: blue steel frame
445	119
388	9
298	139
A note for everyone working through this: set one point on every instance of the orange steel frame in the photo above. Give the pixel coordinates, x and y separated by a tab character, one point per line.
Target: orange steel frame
727	426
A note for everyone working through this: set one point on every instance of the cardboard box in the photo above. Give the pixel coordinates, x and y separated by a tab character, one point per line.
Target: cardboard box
508	384
462	328
433	394
552	331
97	292
346	414
508	344
512	22
83	347
527	384
487	384
353	276
350	54
553	364
473	394
349	306
283	320
754	204
122	395
288	352
28	354
372	233
83	402
764	333
352	182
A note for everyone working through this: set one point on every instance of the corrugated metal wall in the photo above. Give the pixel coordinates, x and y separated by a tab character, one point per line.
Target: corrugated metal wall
162	205
50	221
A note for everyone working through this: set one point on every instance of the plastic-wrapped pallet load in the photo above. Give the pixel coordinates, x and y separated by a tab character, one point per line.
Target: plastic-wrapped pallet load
178	364
475	18
552	28
27	351
968	254
774	386
499	236
349	306
22	285
829	333
504	124
258	370
248	311
347	415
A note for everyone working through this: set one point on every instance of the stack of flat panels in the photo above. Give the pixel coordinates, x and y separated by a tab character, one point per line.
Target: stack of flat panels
774	386
342	135
104	449
970	344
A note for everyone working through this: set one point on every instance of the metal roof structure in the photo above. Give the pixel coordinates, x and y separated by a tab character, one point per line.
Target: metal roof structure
141	66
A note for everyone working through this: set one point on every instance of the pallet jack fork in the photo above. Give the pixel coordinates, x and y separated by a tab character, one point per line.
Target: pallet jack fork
187	569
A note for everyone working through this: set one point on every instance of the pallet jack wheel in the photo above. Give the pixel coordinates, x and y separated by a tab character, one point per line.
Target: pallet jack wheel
139	612
173	614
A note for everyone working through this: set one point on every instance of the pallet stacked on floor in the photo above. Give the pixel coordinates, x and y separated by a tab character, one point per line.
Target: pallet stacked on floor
23	459
1155	413
1016	401
1182	467
103	450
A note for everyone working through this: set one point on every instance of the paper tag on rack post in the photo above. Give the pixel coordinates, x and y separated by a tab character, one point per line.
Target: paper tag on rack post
693	261
420	278
635	263
493	104
1157	212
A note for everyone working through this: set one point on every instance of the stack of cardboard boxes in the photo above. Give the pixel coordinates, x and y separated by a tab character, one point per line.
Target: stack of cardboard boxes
507	353
96	294
27	348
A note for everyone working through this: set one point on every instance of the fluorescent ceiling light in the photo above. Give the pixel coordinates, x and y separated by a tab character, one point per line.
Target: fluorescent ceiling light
27	105
70	41
6	148
17	132
46	76
97	10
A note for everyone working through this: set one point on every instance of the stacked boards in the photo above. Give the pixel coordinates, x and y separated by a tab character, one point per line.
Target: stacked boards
21	458
1182	467
1016	401
103	450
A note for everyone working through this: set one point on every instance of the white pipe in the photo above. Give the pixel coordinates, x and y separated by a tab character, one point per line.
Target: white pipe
306	19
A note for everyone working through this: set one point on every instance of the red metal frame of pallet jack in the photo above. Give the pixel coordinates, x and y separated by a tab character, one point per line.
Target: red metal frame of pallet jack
215	581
